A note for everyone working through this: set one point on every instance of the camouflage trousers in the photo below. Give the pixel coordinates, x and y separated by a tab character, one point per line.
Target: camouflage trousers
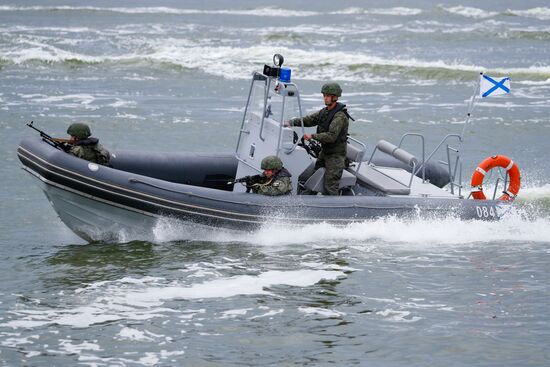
334	165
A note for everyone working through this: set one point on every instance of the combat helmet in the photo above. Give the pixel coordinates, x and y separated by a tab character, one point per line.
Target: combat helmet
332	89
80	130
272	162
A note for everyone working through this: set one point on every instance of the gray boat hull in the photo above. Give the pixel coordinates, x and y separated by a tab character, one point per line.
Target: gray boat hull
96	201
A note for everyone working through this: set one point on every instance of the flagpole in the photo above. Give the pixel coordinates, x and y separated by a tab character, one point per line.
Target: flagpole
471	106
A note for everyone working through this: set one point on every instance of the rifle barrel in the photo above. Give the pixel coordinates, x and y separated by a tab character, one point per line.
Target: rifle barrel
59	143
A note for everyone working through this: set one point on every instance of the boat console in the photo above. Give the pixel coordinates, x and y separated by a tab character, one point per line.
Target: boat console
273	99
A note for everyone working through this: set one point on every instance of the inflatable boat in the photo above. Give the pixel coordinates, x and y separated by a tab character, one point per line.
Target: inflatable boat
139	188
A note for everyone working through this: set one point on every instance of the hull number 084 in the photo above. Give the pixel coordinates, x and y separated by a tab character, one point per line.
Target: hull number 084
485	212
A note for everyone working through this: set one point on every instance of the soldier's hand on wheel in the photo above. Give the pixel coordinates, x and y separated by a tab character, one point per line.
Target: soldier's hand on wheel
307	136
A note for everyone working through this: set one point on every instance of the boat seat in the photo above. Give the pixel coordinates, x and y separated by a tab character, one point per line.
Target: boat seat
382	181
354	154
316	181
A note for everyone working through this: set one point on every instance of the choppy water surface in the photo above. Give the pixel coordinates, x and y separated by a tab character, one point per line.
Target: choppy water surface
171	76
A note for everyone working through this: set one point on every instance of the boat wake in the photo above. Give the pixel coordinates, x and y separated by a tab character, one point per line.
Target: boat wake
538	197
526	222
411	233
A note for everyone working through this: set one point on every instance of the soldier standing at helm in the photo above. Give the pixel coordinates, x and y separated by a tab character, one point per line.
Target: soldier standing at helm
332	132
274	181
86	147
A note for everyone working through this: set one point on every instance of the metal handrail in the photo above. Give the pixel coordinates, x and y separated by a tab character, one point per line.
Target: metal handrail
255	76
297	95
441	143
496	188
363	151
422	165
266	95
281	126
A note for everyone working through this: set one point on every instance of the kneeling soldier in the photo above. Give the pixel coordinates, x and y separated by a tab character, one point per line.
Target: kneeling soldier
274	181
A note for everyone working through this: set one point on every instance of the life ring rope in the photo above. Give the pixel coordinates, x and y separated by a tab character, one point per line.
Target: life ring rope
485	166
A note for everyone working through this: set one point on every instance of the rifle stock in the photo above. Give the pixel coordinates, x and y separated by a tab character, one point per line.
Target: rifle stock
61	140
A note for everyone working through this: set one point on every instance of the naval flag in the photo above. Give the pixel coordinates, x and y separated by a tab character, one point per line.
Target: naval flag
493	86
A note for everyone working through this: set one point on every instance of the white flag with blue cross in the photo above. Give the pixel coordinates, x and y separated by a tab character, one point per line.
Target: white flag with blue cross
489	86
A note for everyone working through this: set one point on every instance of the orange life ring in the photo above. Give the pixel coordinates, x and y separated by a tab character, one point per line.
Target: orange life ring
490	163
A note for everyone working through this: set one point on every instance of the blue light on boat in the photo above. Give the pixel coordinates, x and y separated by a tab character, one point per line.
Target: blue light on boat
284	75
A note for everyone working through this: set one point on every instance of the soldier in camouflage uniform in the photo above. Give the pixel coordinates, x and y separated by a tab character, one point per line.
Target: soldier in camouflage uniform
332	132
274	181
86	147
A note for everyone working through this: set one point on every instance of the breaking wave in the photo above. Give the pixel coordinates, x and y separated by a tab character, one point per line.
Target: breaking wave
469	12
234	62
268	11
541	13
260	12
397	11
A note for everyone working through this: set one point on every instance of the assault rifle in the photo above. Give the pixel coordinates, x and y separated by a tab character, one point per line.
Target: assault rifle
58	143
249	181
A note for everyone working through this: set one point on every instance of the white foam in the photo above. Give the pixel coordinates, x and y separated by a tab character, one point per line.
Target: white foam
141	300
415	233
267	314
470	12
321	311
260	12
535	83
340	64
44	52
231	314
400	11
541	13
129	116
70	348
79	99
133	334
119	103
396	11
537	196
398	315
236	62
14	342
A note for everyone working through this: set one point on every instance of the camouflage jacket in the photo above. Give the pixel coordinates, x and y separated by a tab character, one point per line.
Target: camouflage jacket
332	134
279	184
90	150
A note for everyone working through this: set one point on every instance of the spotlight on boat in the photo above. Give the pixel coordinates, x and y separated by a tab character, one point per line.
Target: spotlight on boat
277	71
278	60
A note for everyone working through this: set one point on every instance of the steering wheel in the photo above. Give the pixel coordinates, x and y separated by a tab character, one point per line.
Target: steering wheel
312	147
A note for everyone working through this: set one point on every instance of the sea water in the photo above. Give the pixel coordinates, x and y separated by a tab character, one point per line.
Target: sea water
174	76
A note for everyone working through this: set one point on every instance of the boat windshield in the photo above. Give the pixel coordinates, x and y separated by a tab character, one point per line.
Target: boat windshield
270	99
